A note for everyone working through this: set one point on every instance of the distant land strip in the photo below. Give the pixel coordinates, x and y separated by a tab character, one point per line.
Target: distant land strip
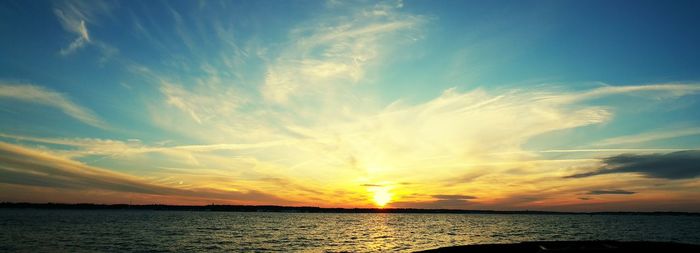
299	209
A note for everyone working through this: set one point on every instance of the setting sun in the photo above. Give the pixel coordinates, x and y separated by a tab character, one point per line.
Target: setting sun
381	197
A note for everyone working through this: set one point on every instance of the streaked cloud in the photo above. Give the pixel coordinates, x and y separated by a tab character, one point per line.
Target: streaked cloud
657	91
648	137
27	167
39	95
77	147
441	202
675	165
452	197
613	150
609	192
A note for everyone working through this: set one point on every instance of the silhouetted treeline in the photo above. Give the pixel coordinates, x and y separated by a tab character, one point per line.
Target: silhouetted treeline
300	209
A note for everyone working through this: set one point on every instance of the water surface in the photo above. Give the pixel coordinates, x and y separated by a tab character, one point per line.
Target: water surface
182	231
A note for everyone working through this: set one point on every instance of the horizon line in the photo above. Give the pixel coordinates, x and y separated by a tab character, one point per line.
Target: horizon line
309	209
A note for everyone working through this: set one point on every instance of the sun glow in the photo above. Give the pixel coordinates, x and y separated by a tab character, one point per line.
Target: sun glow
381	197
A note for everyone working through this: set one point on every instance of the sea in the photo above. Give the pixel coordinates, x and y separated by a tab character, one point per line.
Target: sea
36	230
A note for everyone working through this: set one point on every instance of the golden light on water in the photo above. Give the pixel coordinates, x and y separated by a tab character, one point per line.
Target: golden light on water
382	196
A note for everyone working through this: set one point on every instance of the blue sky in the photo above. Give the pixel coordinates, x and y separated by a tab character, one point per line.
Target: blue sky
335	103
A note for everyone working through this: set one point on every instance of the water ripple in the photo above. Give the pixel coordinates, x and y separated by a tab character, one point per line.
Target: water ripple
153	231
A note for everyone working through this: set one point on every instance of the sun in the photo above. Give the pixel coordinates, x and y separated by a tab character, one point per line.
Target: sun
381	197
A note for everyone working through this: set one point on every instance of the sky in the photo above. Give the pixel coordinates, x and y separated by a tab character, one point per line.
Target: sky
499	105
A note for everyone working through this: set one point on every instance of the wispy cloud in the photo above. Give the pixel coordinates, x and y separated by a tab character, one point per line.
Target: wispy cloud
657	91
331	52
80	41
74	17
208	102
39	95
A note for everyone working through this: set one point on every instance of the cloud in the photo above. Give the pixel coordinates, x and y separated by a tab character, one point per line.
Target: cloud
74	16
39	95
211	100
440	202
658	91
675	165
20	165
478	134
291	185
328	53
648	137
613	192
453	197
474	126
79	42
31	168
77	147
72	19
611	150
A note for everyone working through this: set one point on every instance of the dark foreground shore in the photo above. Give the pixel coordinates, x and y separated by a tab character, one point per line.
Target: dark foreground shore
574	246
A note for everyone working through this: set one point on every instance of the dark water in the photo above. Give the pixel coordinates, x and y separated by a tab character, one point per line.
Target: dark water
173	231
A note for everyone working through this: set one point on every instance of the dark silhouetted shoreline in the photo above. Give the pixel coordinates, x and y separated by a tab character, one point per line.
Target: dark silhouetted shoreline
573	246
299	209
